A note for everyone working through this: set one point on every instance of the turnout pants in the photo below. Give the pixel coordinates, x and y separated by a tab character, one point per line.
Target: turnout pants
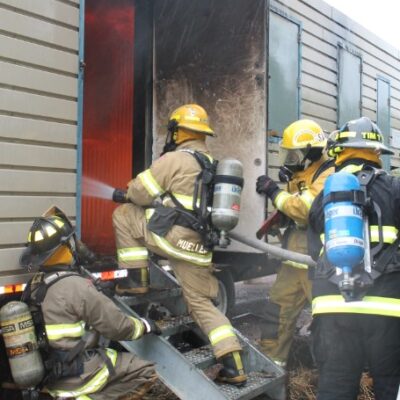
199	285
344	344
288	295
132	376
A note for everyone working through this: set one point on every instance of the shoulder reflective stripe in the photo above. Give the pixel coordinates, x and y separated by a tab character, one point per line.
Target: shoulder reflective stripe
307	197
352	168
322	237
132	254
390	233
296	264
60	331
94	385
369	305
281	199
150	183
221	333
198	259
138	329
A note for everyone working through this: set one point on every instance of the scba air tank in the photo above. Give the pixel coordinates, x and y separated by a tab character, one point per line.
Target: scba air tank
21	344
227	191
344	239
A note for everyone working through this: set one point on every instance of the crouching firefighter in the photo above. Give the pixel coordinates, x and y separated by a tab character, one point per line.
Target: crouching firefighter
356	287
179	227
70	314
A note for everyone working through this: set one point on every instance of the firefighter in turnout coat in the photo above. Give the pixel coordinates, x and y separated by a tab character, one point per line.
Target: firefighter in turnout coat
305	168
361	328
67	304
172	178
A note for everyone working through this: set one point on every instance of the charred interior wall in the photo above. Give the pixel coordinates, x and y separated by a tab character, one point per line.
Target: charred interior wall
213	52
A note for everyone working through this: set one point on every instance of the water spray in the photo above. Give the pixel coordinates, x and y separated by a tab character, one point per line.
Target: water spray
94	188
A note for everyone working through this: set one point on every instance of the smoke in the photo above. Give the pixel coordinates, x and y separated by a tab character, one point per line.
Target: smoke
94	188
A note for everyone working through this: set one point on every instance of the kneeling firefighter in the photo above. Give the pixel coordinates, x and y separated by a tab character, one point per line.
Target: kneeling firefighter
179	228
304	167
356	287
70	314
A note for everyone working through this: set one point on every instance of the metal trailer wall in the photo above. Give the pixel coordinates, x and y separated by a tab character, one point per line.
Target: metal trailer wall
39	67
324	29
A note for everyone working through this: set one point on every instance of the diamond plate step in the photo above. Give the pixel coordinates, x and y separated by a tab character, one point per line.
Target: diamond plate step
201	357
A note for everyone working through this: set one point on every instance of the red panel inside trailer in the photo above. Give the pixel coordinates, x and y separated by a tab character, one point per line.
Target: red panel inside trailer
107	115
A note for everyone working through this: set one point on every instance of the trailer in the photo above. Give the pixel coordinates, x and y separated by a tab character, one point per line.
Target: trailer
86	87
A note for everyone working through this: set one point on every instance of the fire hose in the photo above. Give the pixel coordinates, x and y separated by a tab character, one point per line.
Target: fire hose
273	250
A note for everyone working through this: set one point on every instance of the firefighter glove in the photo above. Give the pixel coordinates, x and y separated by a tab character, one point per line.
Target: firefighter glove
265	185
151	326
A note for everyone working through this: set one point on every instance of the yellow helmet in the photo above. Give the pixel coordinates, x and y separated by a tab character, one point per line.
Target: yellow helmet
303	139
302	134
192	117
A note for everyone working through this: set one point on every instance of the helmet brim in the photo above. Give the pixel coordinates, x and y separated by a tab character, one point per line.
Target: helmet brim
30	259
195	128
367	145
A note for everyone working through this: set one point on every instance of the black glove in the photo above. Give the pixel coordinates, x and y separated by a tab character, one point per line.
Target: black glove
285	174
119	196
151	326
265	185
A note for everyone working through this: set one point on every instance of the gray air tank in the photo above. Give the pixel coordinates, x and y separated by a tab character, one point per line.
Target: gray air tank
227	191
21	344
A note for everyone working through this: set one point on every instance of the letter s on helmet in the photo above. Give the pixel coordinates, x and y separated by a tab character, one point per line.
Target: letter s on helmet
302	139
192	117
45	236
359	133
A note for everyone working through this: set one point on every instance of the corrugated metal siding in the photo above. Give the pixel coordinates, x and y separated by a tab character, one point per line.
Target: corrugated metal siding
38	116
323	28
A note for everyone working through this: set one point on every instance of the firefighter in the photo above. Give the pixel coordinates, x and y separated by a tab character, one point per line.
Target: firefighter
172	177
349	335
305	167
70	314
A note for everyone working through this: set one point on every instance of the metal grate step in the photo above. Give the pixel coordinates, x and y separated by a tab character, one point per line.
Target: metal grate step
201	357
171	326
257	383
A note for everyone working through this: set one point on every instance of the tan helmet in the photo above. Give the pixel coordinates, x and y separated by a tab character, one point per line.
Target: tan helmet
302	139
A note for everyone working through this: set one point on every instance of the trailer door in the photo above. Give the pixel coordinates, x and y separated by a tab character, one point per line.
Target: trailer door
213	52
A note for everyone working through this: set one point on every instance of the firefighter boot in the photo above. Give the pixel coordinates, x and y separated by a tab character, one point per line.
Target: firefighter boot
232	371
137	282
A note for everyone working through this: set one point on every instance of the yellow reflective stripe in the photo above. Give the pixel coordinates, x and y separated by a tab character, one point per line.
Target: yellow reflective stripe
144	276
132	254
203	260
94	385
307	197
352	168
84	397
238	360
138	329
221	333
280	199
368	305
186	201
390	233
296	264
60	331
198	259
150	183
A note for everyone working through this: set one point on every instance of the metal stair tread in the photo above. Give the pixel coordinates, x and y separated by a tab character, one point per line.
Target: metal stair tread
153	295
201	356
256	384
170	326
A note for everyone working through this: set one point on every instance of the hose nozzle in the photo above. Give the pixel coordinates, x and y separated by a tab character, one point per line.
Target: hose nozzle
119	196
